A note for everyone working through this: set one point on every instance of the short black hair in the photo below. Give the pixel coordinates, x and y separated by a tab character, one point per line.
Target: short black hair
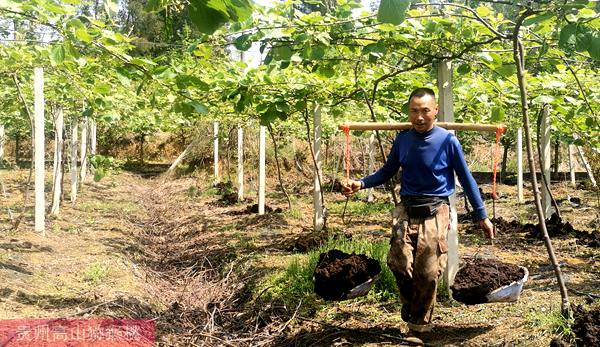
421	92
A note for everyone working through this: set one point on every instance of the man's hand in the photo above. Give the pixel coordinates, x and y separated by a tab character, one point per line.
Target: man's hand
351	187
487	227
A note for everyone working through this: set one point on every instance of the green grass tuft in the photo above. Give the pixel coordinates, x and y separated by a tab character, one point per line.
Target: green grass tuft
552	321
360	208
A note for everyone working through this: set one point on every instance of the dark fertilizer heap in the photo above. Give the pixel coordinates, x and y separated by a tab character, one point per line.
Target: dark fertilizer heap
338	272
309	241
481	276
555	227
586	326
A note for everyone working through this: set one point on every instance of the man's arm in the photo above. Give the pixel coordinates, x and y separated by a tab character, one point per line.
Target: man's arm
387	171
471	189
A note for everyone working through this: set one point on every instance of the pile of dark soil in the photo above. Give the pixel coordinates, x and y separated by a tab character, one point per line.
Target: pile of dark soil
228	193
481	276
268	209
557	342
307	242
338	272
586	326
555	227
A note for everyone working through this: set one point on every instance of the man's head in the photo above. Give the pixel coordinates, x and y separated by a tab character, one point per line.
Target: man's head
422	109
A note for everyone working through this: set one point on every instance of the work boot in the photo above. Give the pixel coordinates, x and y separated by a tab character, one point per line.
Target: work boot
419	328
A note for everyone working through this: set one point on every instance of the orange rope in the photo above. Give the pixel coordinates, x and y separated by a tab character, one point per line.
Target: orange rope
346	129
499	132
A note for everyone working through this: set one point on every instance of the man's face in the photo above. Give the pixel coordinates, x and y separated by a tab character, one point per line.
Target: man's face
422	112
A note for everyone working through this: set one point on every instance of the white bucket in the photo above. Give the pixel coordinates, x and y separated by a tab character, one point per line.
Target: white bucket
510	292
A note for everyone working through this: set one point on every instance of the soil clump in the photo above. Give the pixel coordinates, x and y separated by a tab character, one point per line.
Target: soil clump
481	276
555	226
586	326
338	272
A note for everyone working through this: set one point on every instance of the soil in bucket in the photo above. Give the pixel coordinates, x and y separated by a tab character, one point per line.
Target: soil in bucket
338	272
481	276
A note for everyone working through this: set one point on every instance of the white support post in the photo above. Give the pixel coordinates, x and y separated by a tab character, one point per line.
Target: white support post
40	204
318	220
572	165
546	159
74	144
520	164
261	170
216	151
240	157
446	114
58	159
587	166
93	140
370	197
83	150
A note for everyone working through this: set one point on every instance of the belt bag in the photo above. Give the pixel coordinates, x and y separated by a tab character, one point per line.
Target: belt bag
422	207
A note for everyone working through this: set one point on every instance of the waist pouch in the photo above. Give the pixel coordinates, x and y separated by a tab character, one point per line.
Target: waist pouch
422	206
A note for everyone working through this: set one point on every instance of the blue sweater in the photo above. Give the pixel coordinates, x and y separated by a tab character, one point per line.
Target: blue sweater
428	162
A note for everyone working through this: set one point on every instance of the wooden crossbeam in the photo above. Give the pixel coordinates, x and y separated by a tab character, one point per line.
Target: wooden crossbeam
405	126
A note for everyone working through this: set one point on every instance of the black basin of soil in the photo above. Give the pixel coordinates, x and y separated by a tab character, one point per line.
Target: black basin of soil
338	272
481	276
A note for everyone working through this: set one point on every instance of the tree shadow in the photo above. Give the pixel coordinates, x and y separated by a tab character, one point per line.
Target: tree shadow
49	301
329	335
146	170
25	247
15	268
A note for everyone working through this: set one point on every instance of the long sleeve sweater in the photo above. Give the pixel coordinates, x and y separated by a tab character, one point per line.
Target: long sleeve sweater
428	162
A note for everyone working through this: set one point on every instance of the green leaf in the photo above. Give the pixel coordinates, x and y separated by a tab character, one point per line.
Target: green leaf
282	53
463	69
317	52
57	55
538	19
198	107
242	43
54	8
543	99
392	11
163	73
498	114
143	62
325	71
483	11
594	48
589	121
583	39
567	39
209	15
83	35
506	70
99	174
205	18
376	47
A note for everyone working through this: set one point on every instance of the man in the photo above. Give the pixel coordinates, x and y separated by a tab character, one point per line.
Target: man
429	157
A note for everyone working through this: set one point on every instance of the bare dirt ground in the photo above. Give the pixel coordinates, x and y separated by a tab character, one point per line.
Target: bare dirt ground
168	250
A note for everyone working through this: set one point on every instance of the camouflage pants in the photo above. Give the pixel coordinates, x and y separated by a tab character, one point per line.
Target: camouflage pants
418	256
